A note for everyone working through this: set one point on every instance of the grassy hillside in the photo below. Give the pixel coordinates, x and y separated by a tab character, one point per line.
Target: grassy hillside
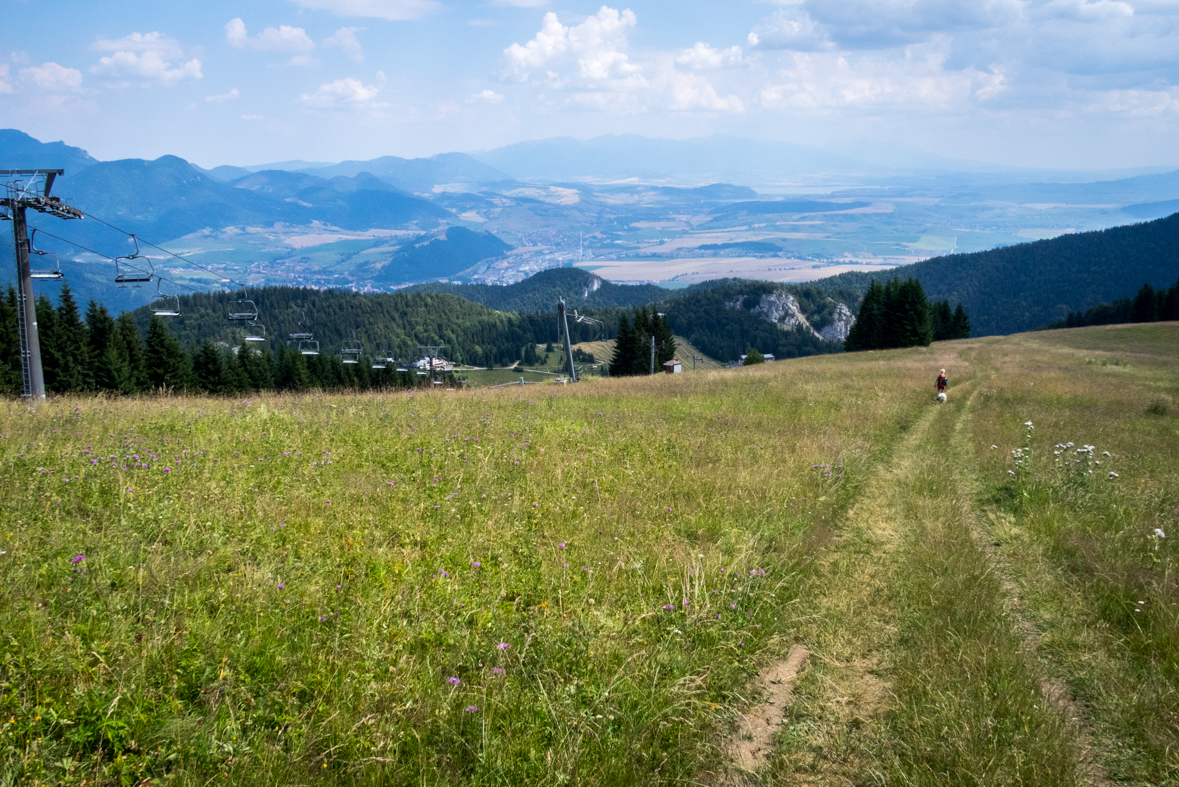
608	583
1023	287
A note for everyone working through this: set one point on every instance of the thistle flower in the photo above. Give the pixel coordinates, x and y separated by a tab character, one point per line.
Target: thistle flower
453	681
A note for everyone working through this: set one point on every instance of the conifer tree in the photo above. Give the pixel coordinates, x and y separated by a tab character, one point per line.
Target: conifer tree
864	331
137	380
167	364
622	362
960	324
664	341
48	338
10	374
753	357
1145	305
208	368
943	322
74	372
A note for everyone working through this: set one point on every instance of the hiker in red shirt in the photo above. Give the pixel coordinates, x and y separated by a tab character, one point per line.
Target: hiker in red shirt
941	382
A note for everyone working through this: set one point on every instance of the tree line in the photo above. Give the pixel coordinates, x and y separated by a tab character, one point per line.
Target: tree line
99	353
897	314
633	342
1148	305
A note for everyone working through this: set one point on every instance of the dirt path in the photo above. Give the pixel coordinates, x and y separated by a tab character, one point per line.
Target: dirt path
853	715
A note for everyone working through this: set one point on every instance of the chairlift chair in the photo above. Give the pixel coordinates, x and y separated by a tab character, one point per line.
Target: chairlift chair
244	310
256	332
382	359
162	305
301	335
309	347
350	350
127	272
53	275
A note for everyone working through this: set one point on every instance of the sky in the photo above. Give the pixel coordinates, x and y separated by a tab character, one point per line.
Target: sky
1069	84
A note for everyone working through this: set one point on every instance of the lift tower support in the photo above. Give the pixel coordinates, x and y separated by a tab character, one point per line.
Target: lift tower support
18	197
563	324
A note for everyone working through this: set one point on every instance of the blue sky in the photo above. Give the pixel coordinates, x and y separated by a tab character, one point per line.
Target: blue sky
1053	83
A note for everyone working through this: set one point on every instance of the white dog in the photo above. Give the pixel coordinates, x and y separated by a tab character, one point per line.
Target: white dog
941	398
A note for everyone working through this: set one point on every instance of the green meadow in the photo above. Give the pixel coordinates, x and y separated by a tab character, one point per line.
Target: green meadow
589	584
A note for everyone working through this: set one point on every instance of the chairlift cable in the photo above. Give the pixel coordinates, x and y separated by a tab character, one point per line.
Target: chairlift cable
108	257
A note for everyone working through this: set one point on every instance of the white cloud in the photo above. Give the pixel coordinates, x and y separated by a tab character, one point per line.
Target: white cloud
147	67
830	81
704	56
165	46
489	96
347	92
392	10
51	77
151	58
597	45
692	91
283	38
345	38
1084	11
222	98
5	85
790	28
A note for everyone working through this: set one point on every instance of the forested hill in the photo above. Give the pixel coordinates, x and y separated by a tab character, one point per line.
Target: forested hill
1020	288
539	293
470	332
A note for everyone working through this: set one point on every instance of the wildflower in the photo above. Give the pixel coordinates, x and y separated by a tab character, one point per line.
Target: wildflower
453	681
498	671
1158	532
1028	424
477	564
322	618
1112	475
502	646
472	708
561	545
281	586
76	560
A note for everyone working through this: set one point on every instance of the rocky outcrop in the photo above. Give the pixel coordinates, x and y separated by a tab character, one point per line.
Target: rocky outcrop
595	284
782	309
841	324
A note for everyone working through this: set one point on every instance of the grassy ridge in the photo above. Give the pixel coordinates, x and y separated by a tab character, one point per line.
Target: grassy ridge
509	587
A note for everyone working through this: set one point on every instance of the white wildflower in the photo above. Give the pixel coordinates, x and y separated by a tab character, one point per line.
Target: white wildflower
1010	472
994	447
1158	531
1028	424
1105	453
1112	475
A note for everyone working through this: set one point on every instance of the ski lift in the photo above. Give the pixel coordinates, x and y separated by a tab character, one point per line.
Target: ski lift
382	359
53	275
127	272
244	310
309	347
162	305
257	332
350	350
301	335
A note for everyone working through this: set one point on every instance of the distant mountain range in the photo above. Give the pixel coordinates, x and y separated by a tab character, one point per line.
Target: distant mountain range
539	293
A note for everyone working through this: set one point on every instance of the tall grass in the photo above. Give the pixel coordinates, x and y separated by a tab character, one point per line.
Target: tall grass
1092	521
525	586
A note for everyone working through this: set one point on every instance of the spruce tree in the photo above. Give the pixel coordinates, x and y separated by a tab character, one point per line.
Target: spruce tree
943	322
960	324
137	379
208	368
622	362
167	364
74	373
10	373
664	341
48	336
109	365
1170	309
864	333
1145	305
753	357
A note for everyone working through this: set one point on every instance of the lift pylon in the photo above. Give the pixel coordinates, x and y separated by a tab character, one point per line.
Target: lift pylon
30	188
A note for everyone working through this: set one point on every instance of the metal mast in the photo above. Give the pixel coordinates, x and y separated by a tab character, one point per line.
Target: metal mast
18	197
563	323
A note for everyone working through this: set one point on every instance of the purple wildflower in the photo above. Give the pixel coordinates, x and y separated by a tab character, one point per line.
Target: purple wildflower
472	708
453	681
77	560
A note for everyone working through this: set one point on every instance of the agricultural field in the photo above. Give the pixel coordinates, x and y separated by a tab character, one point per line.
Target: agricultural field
799	572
